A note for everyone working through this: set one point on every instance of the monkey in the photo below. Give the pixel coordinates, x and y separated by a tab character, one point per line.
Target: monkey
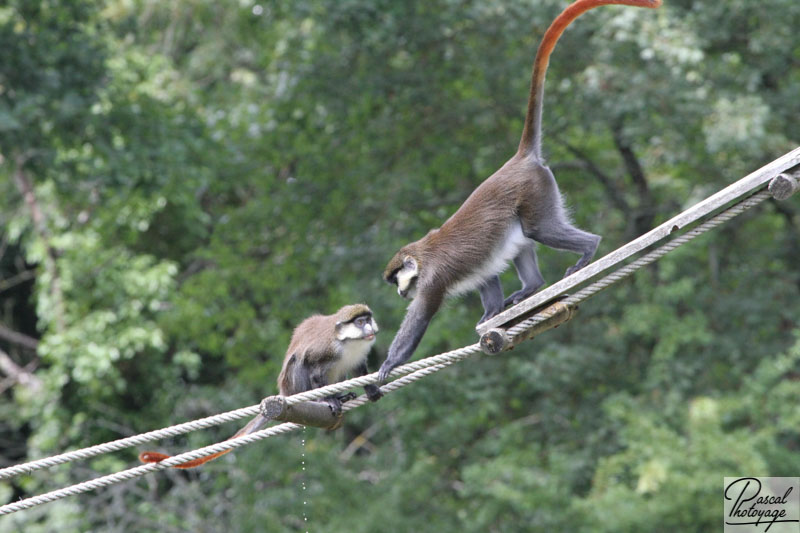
501	220
323	349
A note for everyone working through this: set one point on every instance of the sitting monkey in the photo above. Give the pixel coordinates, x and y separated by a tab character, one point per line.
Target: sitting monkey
323	349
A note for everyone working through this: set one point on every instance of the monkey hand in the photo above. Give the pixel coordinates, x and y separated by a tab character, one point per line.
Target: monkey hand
373	393
386	369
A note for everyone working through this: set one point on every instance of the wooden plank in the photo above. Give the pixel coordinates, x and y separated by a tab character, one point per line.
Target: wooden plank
735	191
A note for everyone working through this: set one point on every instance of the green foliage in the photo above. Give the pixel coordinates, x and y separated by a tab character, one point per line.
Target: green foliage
51	68
210	173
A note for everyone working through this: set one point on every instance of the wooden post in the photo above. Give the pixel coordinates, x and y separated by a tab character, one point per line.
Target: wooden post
556	314
317	414
784	185
497	340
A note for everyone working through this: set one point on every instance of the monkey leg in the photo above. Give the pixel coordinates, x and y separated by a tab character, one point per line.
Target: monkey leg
318	379
373	391
528	271
558	233
491	298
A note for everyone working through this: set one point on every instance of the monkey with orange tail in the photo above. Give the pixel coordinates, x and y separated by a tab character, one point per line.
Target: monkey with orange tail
322	351
500	221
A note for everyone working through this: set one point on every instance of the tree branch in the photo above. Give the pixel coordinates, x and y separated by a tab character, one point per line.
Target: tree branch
16	279
26	190
613	193
4	243
783	209
644	215
18	338
20	375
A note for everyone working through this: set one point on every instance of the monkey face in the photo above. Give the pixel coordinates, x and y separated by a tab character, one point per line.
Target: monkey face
406	278
403	271
368	327
362	327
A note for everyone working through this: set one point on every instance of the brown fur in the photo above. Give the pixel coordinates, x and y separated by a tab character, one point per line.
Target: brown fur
521	189
314	345
467	247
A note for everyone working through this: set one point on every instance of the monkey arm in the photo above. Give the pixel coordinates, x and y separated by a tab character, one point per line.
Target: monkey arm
419	315
373	392
317	376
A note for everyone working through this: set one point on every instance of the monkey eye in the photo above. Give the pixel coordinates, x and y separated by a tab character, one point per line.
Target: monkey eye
360	321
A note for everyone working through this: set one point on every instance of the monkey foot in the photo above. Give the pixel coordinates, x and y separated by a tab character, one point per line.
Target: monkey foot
489	314
335	405
518	296
571	270
347	397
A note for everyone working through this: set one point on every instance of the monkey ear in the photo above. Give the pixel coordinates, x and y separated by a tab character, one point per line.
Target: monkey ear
409	262
338	328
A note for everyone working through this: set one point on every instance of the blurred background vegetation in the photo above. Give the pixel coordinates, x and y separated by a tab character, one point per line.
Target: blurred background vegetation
183	182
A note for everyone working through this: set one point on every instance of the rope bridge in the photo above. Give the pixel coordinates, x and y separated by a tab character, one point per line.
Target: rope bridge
542	311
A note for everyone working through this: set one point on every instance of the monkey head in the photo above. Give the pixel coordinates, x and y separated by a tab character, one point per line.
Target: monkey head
355	322
403	271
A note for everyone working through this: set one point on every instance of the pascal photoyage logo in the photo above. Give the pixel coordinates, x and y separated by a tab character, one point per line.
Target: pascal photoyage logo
759	504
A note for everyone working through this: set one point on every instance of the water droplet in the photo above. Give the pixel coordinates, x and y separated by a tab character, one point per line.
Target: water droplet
303	463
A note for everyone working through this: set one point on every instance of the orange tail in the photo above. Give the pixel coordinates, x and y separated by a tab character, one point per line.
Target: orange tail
532	131
156	457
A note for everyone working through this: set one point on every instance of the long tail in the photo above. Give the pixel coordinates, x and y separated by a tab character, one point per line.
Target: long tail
532	132
156	457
